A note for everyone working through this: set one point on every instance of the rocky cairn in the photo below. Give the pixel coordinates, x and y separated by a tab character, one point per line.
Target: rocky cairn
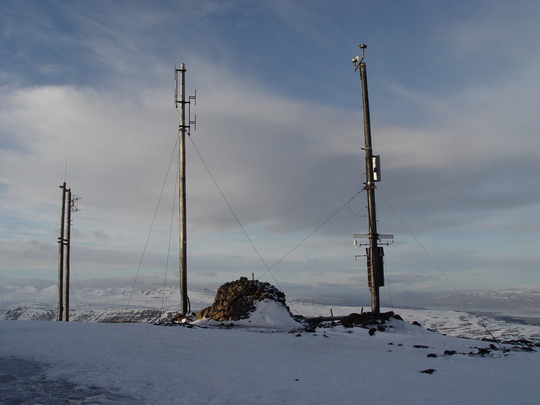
237	299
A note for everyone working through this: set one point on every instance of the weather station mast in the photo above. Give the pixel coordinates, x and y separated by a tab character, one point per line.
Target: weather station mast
374	250
183	129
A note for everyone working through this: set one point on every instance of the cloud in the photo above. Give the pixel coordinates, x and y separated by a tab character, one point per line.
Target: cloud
34	253
104	141
284	166
279	126
418	280
118	151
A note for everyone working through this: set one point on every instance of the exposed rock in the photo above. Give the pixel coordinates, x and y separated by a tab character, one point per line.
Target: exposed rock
449	352
236	300
365	319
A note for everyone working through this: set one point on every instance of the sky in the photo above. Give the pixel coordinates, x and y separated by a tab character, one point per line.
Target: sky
87	97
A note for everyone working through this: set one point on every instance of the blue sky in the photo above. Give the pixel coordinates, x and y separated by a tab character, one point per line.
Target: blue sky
454	105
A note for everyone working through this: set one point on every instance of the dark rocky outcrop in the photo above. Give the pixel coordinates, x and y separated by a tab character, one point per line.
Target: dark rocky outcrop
366	319
236	300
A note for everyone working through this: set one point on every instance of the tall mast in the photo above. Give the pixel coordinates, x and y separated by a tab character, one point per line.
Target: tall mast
374	252
183	129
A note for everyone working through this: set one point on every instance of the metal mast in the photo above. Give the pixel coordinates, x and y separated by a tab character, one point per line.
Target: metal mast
183	129
374	252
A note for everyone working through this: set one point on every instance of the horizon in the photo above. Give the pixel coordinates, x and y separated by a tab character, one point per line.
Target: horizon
515	305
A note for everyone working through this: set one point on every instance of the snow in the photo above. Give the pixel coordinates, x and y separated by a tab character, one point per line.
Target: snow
452	323
267	315
147	364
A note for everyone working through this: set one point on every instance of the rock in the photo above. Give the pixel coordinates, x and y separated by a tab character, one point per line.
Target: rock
449	352
235	300
365	319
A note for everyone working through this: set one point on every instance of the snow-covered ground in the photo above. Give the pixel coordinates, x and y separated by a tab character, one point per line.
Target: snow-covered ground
451	323
259	361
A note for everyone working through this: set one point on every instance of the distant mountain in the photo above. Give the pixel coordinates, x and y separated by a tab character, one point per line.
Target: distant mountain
122	304
115	304
516	303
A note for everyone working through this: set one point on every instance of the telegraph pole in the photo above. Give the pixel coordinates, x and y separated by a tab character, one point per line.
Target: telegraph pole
68	259
61	250
69	205
374	252
183	129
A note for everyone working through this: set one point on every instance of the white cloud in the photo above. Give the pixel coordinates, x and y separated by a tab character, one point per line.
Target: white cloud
463	162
